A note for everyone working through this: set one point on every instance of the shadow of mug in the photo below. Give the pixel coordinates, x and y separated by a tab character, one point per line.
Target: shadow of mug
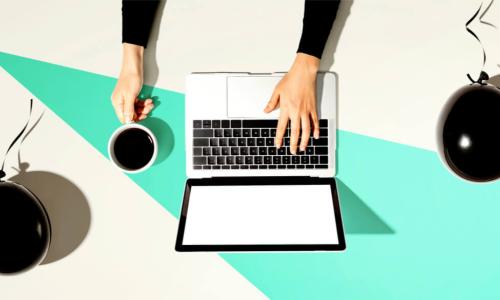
66	206
164	134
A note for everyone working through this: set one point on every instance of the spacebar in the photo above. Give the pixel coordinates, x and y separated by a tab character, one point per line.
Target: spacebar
259	123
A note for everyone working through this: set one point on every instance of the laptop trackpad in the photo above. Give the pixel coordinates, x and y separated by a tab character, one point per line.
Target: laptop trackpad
247	96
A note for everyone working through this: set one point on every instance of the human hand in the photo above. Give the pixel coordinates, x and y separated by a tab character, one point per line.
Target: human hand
295	95
124	98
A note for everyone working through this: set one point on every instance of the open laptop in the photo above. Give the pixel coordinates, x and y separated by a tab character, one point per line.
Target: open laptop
243	194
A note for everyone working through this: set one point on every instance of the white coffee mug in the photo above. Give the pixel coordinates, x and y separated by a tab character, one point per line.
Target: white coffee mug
114	136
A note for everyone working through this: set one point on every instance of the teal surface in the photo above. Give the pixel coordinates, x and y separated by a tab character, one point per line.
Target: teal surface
414	231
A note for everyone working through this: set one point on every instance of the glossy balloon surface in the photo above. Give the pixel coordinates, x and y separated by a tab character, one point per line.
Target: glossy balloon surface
471	133
24	229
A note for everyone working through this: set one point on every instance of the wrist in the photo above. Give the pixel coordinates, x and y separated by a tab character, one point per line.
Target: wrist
132	61
310	62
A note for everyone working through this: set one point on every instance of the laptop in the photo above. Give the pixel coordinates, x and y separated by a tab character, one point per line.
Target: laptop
243	194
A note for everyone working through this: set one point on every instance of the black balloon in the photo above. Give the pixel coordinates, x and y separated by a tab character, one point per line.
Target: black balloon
471	133
24	229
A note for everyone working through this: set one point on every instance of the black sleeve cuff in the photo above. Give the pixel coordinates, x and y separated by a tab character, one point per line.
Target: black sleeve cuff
137	20
319	16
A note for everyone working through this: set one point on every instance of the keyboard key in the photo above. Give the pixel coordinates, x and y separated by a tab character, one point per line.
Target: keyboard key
242	142
206	151
215	151
262	167
235	123
232	142
286	160
323	123
215	167
216	124
203	133
196	124
251	142
269	142
222	142
248	160
218	132
211	160
259	123
320	142
235	151
264	132
295	159
261	142
273	132
268	160
281	167
228	132
237	132
309	167
253	150
314	160
323	159
214	142
243	151
276	160
225	124
196	151
230	160
235	167
286	141
254	167
290	167
271	167
207	167
310	150
207	124
304	160
243	167
200	142
199	160
225	150
262	151
225	167
240	160
300	166
320	150
282	151
257	160
323	132
256	132
321	166
271	150
221	160
247	132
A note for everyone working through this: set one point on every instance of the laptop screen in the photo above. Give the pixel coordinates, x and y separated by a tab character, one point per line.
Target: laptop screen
261	215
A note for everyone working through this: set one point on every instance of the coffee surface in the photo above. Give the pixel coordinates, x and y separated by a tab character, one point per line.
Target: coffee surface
24	230
133	148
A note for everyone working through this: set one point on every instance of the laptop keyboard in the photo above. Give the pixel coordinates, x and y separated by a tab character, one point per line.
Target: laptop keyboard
249	144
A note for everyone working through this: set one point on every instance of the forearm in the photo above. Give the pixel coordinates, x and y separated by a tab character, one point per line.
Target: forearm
319	16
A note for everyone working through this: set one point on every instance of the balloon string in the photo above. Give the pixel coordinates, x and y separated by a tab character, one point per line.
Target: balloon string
483	76
2	173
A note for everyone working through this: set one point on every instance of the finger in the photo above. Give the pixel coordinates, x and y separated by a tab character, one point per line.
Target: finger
142	117
273	102
281	129
144	110
315	122
294	134
117	102
306	132
129	109
142	103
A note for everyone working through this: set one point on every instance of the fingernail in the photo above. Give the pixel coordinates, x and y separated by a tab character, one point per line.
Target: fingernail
302	149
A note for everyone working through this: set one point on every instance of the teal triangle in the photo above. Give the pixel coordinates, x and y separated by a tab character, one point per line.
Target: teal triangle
414	231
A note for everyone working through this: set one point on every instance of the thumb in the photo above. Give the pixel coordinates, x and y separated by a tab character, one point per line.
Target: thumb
273	102
129	109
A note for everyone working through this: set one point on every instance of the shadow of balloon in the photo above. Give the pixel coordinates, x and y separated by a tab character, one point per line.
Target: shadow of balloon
357	217
66	205
164	134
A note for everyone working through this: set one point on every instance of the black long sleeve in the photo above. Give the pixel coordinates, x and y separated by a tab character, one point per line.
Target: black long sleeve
137	20
319	16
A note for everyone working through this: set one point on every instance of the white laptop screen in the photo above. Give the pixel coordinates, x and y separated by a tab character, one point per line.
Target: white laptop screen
261	215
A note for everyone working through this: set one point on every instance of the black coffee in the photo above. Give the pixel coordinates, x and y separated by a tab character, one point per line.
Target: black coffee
24	229
133	148
471	134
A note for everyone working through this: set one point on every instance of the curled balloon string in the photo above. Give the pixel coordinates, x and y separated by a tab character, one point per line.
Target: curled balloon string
2	173
483	75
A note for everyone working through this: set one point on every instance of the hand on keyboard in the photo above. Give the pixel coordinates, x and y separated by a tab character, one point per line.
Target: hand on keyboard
295	95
